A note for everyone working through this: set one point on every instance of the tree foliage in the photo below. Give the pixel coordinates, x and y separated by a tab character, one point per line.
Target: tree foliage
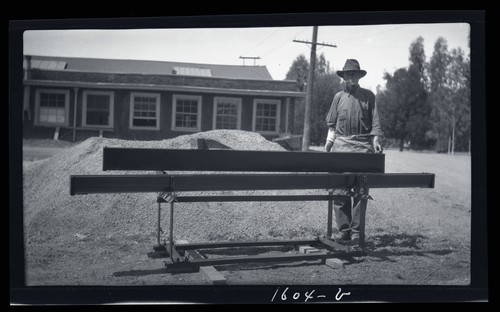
418	108
403	105
438	95
326	84
426	103
299	71
393	107
449	73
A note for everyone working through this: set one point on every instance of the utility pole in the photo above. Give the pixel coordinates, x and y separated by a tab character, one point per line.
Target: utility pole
310	81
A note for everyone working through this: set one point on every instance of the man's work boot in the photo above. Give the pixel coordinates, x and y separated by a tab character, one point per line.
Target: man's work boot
354	239
341	237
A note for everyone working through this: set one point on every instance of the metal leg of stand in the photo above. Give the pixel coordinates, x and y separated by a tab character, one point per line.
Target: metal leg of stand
171	245
330	216
362	192
362	215
159	224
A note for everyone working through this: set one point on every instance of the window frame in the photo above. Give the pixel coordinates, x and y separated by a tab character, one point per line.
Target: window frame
198	98
131	112
111	94
38	93
238	102
278	114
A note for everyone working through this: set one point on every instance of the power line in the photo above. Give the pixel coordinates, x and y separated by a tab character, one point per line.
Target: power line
374	46
375	34
280	45
272	34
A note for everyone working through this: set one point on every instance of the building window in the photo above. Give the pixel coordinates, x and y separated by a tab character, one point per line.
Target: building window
98	109
227	113
266	116
145	111
186	113
52	107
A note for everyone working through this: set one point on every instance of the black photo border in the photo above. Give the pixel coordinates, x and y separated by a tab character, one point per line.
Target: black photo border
477	291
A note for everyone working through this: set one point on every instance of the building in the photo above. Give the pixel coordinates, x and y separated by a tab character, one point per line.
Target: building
76	98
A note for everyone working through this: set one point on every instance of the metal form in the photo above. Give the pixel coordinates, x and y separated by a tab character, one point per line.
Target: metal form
333	249
155	159
88	184
297	171
182	260
330	215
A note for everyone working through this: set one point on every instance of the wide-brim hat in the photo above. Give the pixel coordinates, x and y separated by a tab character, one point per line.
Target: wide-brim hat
351	65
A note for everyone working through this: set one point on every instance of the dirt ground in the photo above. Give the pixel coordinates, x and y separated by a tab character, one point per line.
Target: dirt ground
413	237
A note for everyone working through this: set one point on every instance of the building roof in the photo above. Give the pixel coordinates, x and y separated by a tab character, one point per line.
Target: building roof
117	66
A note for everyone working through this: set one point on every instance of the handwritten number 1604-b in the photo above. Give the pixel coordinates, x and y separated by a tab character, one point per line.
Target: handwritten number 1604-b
308	295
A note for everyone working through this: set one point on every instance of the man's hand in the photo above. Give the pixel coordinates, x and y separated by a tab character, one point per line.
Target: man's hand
330	139
328	145
376	144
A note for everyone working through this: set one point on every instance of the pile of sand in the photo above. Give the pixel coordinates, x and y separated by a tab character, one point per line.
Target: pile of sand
50	212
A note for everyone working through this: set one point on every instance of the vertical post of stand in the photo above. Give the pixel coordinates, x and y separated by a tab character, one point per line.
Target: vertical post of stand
171	245
362	215
362	192
159	224
330	216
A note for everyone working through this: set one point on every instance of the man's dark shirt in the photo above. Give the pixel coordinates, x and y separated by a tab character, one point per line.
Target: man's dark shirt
354	112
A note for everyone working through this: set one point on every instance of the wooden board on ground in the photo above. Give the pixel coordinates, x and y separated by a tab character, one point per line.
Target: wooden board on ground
210	273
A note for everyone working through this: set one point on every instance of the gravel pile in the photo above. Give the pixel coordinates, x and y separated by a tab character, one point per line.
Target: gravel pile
51	213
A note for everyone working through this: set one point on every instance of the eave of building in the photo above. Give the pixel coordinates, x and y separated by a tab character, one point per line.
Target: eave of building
152	87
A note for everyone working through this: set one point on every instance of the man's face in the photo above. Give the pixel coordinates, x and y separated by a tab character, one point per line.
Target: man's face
351	78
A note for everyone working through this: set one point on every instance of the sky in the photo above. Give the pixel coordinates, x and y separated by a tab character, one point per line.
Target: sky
378	48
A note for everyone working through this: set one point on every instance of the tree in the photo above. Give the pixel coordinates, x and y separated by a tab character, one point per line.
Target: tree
429	103
438	64
449	74
459	105
439	95
298	71
326	84
393	107
418	108
417	60
403	105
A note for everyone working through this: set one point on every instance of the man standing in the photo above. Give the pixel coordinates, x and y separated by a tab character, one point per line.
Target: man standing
353	126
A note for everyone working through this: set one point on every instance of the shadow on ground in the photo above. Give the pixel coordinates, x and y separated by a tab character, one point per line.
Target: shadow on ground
381	247
398	244
395	240
140	272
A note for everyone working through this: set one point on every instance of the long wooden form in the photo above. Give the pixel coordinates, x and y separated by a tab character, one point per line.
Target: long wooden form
88	184
151	159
